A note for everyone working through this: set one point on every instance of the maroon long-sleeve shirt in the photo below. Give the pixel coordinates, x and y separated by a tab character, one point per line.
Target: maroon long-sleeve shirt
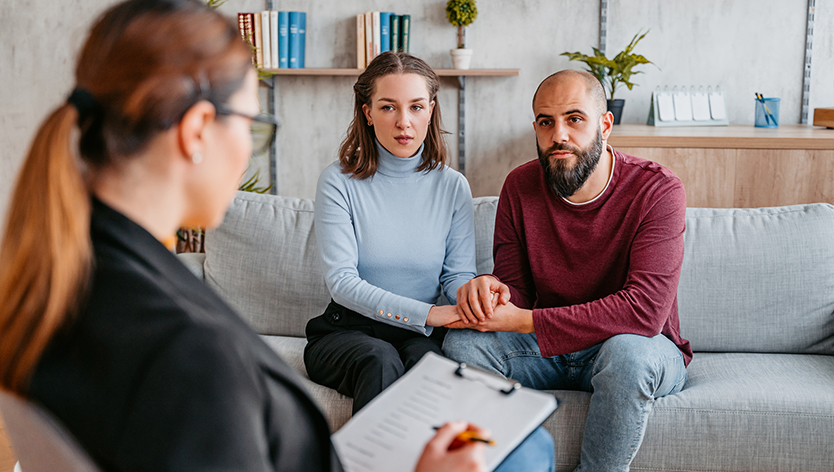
592	271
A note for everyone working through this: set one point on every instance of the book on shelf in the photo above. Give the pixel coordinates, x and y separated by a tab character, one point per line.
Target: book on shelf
266	40
360	41
384	31
268	32
257	43
395	32
247	31
283	39
369	37
295	44
405	33
273	36
302	39
378	32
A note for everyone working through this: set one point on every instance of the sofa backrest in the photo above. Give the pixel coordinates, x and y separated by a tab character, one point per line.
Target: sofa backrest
264	261
759	279
753	280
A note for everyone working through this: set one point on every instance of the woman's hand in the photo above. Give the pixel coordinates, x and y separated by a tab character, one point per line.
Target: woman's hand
442	315
443	453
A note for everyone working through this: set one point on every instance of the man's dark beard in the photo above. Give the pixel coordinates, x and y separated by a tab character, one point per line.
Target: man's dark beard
566	180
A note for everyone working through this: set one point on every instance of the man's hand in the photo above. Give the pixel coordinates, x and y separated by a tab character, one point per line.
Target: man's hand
477	300
506	318
444	453
442	315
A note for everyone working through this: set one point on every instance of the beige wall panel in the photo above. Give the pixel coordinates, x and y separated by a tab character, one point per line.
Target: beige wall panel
822	181
783	177
707	174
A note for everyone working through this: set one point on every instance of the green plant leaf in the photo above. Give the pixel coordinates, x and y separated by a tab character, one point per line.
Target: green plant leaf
461	12
614	73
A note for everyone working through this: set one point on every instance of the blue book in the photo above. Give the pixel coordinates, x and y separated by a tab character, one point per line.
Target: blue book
295	41
384	31
302	39
283	39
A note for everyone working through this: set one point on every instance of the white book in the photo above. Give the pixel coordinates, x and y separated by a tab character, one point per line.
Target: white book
377	34
266	40
369	37
273	35
360	41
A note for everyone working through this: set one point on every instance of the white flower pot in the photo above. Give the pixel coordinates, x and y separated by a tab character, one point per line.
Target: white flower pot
461	58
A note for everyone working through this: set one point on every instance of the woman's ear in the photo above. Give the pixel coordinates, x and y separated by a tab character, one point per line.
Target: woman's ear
367	112
192	128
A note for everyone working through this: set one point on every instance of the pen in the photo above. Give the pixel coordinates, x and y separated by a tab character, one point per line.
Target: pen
471	436
768	116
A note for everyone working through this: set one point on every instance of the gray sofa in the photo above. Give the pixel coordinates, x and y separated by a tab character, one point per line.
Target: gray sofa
756	300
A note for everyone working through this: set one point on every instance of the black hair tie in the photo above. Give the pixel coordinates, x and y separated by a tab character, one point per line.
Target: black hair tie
84	102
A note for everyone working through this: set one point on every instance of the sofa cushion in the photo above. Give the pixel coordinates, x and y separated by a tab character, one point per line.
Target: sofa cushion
736	412
264	261
484	231
759	280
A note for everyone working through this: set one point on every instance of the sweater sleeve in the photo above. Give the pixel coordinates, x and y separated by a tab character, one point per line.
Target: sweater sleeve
642	305
459	263
336	239
512	266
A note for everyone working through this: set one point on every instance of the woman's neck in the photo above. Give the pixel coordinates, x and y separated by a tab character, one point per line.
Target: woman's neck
143	192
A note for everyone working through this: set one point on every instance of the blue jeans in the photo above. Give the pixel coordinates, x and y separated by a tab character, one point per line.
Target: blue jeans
534	454
625	374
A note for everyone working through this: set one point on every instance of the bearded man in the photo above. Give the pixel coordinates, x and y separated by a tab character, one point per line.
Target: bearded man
588	250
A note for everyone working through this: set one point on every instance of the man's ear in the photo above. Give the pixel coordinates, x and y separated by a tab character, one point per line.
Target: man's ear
606	125
192	128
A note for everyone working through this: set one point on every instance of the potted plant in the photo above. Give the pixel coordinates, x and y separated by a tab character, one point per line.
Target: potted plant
614	73
461	13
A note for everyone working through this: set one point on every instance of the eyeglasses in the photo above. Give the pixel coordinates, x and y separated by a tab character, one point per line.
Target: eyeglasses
263	128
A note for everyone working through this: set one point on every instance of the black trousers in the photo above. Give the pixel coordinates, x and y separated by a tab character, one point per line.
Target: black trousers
360	357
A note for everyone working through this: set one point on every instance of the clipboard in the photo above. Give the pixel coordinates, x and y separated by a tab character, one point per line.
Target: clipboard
391	431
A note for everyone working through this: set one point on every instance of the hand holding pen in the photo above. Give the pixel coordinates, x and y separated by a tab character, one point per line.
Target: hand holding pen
446	452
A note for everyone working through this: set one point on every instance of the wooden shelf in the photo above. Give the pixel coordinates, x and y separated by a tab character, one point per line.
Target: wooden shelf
355	72
722	137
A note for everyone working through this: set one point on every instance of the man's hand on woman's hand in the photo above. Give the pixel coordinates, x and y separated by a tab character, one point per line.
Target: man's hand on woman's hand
507	317
443	453
478	298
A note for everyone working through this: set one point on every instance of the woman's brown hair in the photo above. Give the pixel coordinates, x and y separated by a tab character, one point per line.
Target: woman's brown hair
144	64
358	154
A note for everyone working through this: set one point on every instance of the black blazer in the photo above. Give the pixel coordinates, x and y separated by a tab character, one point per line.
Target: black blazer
157	373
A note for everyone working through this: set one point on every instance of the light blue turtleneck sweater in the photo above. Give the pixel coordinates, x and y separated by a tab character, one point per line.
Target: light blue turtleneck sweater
391	242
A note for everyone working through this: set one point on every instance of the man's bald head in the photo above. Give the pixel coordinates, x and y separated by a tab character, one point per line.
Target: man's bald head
594	88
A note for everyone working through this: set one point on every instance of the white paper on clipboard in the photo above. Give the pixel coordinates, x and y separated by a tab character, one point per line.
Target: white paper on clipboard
390	432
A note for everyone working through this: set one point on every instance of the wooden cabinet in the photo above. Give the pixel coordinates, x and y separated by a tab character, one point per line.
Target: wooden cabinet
739	165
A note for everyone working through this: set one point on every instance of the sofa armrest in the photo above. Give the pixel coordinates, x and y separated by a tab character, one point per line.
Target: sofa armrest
194	262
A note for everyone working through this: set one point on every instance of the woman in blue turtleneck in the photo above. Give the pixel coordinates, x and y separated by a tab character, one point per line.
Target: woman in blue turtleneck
395	229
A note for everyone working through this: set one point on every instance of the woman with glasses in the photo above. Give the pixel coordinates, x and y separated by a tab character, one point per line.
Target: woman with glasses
145	365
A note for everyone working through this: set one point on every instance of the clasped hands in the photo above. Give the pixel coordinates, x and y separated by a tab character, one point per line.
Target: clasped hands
484	305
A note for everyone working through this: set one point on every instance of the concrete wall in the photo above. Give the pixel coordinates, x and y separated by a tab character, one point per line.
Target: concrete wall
744	46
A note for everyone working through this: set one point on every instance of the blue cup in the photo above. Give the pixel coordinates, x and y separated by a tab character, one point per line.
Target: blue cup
767	112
